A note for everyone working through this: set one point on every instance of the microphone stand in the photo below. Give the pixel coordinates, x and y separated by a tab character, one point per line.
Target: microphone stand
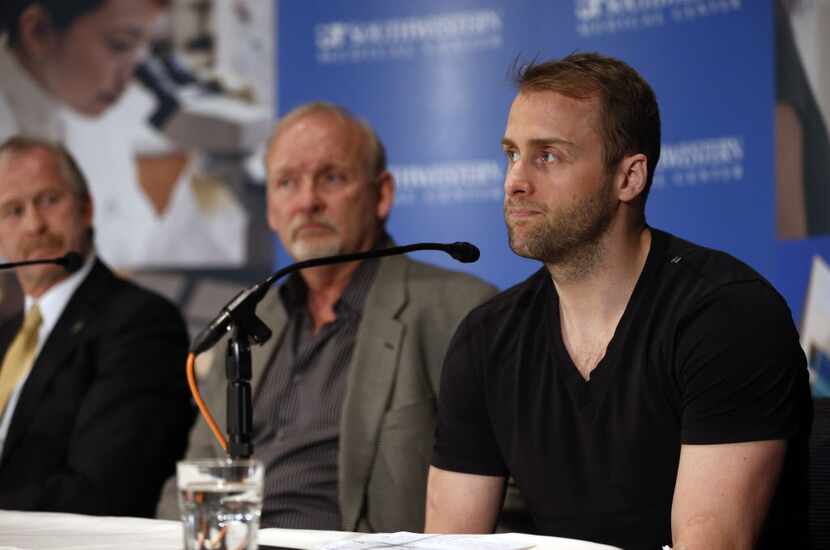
239	318
240	409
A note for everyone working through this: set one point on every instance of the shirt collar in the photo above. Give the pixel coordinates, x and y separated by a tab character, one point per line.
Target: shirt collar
53	301
294	292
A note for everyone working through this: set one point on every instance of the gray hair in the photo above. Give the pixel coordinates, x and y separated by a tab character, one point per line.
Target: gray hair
375	151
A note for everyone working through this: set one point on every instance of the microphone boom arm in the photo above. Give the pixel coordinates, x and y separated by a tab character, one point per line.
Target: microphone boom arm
241	310
239	317
71	261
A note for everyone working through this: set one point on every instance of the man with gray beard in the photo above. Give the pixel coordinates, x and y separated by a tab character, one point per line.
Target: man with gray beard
345	390
641	390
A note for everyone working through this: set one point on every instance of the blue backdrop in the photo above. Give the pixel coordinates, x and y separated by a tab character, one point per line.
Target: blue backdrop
432	77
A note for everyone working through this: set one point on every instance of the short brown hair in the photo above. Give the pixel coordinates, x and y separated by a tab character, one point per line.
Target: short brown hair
629	118
70	170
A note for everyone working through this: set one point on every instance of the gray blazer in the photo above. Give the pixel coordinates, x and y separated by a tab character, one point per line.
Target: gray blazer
388	417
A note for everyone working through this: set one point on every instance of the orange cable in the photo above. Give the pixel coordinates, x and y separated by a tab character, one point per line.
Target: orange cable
194	389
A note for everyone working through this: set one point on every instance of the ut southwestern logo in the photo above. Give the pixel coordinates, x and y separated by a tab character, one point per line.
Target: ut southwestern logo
331	36
588	9
457	182
715	160
599	17
406	37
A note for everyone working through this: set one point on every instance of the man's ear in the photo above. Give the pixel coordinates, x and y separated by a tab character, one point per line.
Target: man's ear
632	177
35	32
386	194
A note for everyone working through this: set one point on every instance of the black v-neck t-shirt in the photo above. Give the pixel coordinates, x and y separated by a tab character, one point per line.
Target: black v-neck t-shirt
706	352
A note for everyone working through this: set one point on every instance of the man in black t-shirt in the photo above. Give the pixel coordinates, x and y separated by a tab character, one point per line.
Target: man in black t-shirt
642	390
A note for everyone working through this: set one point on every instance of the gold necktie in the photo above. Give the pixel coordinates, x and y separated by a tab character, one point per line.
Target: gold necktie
18	359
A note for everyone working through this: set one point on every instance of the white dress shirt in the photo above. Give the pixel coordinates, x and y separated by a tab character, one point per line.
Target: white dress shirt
51	303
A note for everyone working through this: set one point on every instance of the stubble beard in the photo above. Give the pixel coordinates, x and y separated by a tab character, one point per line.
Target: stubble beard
568	240
308	248
302	250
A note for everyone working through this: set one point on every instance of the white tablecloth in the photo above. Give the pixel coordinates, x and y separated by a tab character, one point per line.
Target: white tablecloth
46	531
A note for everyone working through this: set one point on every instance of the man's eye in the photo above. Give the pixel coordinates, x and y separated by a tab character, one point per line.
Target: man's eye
512	156
13	211
49	198
283	184
548	156
52	198
333	178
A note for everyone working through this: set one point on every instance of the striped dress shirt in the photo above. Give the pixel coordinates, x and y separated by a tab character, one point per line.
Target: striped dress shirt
297	407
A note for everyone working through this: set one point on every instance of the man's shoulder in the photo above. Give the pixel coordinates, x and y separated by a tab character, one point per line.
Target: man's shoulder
697	276
706	269
515	301
113	291
423	288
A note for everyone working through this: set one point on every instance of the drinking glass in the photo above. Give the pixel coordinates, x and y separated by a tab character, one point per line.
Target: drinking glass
220	502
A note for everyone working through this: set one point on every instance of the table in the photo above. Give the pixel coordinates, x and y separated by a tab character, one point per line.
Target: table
48	531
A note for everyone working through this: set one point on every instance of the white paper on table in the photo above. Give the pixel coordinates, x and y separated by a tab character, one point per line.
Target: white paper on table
55	531
405	540
302	539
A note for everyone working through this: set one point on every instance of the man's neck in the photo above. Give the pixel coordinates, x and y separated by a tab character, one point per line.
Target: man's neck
325	287
38	286
41	287
593	296
326	284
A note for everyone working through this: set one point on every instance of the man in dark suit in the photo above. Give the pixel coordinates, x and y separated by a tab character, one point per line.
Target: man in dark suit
94	408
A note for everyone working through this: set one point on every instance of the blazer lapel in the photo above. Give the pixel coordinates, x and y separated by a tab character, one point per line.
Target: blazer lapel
370	381
60	343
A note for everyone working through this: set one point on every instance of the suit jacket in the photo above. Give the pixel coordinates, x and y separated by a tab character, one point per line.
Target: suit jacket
389	412
105	411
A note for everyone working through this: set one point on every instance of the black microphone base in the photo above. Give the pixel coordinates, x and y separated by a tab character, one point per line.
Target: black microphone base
240	449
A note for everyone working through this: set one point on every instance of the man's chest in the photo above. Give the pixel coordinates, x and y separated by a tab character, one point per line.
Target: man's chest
620	425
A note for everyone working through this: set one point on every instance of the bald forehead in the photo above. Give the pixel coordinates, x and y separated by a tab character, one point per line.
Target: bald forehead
339	126
319	134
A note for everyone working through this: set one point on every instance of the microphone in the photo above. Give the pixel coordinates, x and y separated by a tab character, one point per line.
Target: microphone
241	308
71	262
463	252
